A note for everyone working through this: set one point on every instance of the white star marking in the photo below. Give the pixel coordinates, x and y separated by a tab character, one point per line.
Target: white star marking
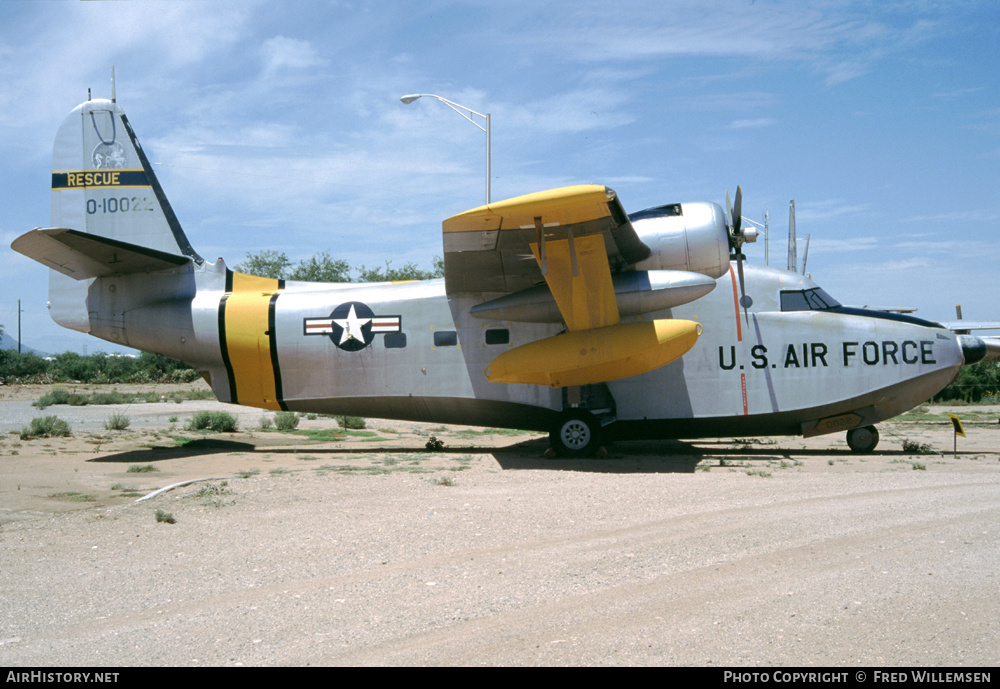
351	326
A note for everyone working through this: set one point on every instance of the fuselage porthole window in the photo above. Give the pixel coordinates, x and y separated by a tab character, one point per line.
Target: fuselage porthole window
497	336
395	340
445	338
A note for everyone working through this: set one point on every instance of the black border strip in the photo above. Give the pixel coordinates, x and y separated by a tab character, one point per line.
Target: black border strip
172	221
225	350
272	334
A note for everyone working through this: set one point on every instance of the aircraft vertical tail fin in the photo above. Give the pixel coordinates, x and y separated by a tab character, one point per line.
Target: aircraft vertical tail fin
110	218
103	184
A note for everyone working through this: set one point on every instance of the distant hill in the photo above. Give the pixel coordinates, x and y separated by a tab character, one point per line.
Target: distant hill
8	342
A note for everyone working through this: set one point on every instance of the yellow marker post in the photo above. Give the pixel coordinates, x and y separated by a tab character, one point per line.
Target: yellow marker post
956	424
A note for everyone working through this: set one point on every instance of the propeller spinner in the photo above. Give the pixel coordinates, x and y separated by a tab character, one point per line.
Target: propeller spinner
734	220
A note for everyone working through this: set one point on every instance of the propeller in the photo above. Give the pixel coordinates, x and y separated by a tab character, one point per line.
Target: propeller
737	238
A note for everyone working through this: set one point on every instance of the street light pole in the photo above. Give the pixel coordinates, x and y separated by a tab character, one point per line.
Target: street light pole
467	114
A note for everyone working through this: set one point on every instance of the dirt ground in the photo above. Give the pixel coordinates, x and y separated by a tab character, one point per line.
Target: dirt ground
368	549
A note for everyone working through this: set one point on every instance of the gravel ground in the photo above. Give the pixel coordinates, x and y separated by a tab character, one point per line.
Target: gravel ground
372	551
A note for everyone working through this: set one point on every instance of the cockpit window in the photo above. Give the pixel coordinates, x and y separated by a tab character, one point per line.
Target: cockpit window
807	300
658	212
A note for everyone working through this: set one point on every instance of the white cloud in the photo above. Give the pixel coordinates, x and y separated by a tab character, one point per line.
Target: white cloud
826	210
843	245
282	53
753	123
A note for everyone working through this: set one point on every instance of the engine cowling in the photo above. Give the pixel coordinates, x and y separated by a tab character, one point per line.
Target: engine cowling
689	236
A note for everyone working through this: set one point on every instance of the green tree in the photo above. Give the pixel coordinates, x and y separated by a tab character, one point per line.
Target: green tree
410	271
267	263
973	383
73	366
21	365
321	268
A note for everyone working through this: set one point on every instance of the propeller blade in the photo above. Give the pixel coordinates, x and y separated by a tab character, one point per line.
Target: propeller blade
738	211
745	301
729	211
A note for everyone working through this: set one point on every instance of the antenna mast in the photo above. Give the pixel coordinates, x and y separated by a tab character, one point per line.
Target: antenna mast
793	259
767	236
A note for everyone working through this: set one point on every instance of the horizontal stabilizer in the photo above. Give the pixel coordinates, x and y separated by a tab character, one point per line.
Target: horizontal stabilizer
80	255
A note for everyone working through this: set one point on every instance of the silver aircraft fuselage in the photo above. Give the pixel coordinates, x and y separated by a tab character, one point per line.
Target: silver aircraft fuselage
419	355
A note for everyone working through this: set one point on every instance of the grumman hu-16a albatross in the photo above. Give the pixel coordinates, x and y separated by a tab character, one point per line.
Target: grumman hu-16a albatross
558	312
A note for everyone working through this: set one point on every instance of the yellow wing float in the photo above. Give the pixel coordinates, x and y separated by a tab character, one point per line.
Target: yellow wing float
575	235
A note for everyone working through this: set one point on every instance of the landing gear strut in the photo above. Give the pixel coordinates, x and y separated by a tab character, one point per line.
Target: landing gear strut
862	440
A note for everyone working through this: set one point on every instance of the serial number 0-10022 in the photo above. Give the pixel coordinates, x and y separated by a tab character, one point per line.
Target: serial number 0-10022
124	204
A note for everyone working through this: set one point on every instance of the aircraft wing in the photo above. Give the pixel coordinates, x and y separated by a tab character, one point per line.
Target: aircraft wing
965	326
992	349
573	238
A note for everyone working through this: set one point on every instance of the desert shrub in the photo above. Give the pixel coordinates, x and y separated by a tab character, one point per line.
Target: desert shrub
286	420
218	421
45	427
351	422
211	490
917	448
117	422
63	396
165	517
113	397
60	396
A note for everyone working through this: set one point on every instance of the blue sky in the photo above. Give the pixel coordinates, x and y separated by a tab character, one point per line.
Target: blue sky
279	126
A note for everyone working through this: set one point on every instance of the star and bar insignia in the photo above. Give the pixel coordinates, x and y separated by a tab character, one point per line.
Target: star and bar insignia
352	325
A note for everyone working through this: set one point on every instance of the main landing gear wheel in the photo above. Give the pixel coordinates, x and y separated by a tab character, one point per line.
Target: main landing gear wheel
862	440
576	434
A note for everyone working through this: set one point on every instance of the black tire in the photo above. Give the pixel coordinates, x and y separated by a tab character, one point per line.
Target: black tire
863	440
577	433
